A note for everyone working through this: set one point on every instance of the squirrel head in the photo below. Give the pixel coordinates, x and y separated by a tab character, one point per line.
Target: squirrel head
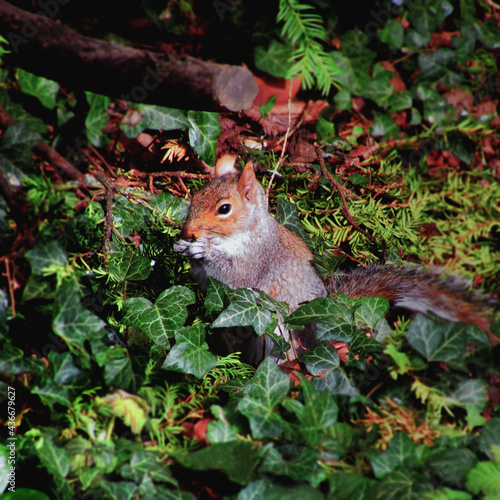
224	206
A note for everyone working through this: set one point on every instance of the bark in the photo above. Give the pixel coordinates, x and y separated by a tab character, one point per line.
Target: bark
44	47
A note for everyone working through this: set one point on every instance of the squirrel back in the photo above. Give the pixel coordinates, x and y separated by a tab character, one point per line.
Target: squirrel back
230	235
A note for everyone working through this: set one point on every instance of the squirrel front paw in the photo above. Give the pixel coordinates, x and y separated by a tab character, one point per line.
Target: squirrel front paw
193	249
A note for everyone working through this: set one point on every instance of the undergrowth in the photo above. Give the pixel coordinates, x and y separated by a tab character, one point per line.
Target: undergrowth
111	384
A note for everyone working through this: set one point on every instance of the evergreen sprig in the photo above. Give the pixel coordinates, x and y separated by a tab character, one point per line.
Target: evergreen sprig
305	32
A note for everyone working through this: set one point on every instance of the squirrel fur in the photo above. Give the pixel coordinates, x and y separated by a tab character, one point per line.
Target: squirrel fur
230	235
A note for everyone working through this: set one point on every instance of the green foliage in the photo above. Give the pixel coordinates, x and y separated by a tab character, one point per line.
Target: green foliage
112	350
304	31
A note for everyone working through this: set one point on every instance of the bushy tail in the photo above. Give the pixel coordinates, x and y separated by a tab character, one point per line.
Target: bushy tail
418	289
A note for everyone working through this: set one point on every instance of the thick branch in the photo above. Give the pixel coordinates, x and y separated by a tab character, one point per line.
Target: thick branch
43	47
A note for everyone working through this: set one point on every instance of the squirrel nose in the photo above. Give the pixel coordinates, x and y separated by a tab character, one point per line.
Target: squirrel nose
188	233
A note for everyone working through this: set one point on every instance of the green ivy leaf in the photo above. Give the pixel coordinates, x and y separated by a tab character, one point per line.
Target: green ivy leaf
267	388
288	216
384	126
403	484
161	319
244	311
54	458
319	412
379	88
204	130
401	451
438	341
489	441
43	89
274	60
488	33
97	117
146	116
127	264
336	382
333	318
426	17
292	461
72	322
471	392
244	457
15	147
190	353
322	358
216	295
392	34
45	257
434	65
118	370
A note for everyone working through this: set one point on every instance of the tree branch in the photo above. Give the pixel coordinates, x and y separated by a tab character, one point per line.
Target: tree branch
44	47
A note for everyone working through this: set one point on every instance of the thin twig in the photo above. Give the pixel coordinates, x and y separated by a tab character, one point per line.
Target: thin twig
108	186
283	149
341	191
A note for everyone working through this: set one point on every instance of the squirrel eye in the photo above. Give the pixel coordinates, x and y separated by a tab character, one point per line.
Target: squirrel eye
224	209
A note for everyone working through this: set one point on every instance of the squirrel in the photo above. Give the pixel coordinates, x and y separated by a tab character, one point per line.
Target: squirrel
230	235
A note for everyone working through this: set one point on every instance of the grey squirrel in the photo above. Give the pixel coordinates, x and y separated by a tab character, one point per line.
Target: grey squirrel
230	235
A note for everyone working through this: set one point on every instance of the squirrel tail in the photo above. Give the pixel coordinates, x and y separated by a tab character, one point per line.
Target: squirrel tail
418	289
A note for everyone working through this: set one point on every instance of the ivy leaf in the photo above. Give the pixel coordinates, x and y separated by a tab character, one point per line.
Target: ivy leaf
333	318
403	484
426	17
132	409
401	451
72	322
129	265
322	358
318	412
384	125
216	295
436	64
43	89
97	117
161	319
292	461
274	59
392	34
15	150
244	457
488	33
471	393
190	353
204	129
379	89
244	311
54	458
52	393
267	388
438	341
47	259
489	441
336	382
146	116
288	216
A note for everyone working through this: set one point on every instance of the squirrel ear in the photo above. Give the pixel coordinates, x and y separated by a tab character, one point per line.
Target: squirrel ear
225	165
247	184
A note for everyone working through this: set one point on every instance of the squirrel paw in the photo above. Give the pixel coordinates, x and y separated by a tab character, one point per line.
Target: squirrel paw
192	249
